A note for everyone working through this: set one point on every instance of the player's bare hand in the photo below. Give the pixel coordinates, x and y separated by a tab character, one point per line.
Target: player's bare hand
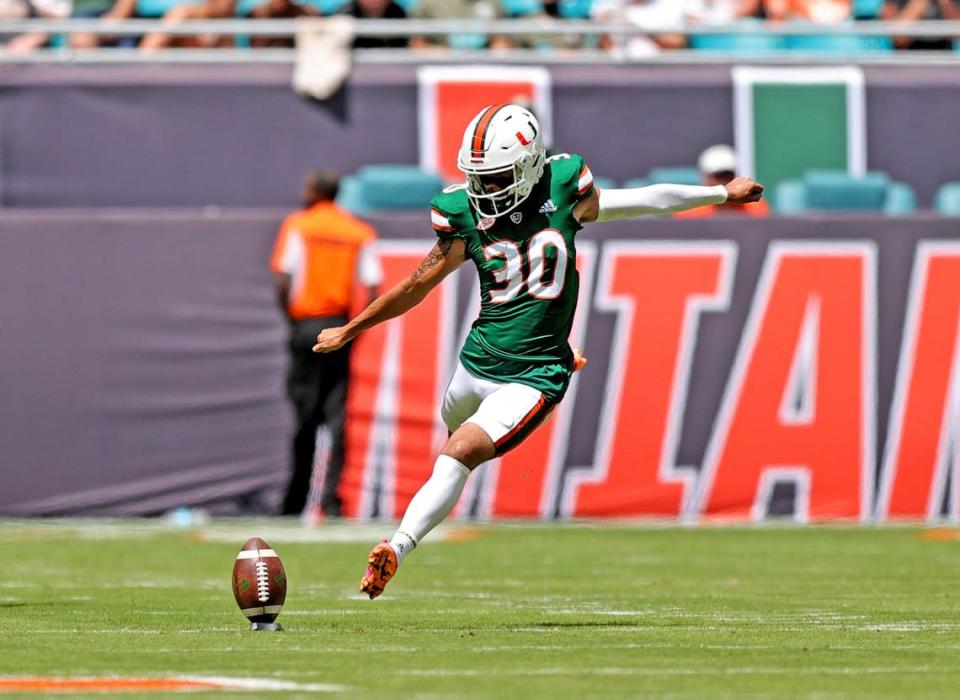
743	190
331	339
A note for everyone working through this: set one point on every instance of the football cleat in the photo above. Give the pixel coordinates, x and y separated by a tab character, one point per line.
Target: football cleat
381	566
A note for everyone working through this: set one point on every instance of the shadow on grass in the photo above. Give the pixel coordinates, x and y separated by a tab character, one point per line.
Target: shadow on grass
23	604
579	623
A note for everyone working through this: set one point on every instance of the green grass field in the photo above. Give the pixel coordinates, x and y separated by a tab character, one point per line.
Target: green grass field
565	611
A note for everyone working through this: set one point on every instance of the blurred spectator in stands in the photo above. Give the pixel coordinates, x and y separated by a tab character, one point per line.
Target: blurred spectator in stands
322	253
720	11
661	18
186	12
817	11
32	9
909	11
459	9
718	166
376	9
664	19
279	9
112	11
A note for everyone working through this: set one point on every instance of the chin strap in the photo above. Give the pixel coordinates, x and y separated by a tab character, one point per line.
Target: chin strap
657	200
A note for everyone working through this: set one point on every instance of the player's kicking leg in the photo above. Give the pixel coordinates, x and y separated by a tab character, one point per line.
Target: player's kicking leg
486	419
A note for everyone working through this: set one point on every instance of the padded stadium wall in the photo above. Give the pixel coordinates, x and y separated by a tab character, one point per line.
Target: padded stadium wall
806	368
154	135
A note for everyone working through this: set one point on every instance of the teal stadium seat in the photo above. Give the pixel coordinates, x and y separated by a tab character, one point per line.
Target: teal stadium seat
245	7
390	187
522	8
831	190
574	9
635	182
683	175
901	200
751	44
326	7
947	201
407	5
158	8
604	183
867	9
468	41
840	44
350	196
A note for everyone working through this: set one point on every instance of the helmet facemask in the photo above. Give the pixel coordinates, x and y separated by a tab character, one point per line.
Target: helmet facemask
494	193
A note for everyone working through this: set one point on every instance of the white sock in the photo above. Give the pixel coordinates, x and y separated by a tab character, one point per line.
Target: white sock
431	504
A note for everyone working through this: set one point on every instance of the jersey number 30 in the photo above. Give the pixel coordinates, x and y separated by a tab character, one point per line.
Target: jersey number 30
509	278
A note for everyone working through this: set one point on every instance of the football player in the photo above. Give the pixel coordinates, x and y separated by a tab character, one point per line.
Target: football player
516	218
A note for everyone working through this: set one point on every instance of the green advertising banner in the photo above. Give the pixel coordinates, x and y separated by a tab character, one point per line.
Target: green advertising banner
790	120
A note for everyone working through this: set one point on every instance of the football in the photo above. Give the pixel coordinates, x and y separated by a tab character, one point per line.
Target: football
259	581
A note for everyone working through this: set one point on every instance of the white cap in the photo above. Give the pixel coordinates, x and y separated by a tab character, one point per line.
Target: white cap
718	159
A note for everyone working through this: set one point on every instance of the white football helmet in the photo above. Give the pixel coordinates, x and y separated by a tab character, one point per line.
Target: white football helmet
502	155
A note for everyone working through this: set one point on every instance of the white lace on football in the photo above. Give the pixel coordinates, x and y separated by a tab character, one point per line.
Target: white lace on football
263	582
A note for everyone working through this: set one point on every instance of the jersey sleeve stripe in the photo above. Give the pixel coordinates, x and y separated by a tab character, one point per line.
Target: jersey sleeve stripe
585	181
439	221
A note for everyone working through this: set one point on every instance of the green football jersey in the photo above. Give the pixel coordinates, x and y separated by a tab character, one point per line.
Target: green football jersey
529	283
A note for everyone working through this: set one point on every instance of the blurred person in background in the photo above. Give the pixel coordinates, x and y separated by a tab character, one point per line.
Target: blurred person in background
321	254
31	9
718	166
459	9
664	19
661	18
107	10
58	9
376	9
721	11
279	9
909	11
188	11
816	11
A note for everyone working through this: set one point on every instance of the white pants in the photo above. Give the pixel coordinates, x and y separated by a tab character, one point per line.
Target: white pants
505	412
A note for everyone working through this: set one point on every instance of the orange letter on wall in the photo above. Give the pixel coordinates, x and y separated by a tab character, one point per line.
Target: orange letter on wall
398	375
925	415
527	477
799	404
658	291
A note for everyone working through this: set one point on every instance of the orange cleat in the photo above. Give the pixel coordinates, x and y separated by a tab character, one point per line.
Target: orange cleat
381	566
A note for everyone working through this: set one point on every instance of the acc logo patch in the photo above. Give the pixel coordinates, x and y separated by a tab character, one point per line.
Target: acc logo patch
516	217
486	223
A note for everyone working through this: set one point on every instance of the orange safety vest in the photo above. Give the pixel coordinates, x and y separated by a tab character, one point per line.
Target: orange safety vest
319	249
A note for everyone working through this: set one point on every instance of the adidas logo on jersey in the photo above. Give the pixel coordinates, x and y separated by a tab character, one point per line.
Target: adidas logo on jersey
548	207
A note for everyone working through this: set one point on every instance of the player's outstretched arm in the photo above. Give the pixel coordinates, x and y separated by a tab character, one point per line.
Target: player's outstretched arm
662	200
447	255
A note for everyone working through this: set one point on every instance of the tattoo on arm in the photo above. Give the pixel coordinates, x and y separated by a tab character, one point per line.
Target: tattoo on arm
434	257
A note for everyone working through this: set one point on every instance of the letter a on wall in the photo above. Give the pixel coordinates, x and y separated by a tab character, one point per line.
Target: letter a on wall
923	448
800	403
451	96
